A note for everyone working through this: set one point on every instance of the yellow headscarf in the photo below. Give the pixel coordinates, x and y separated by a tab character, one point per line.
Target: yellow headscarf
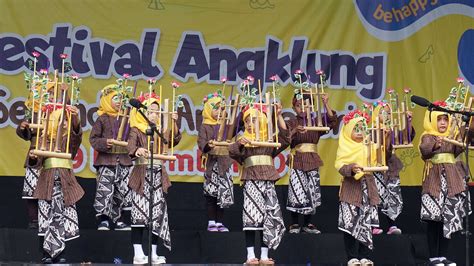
53	122
431	127
207	111
105	105
137	120
263	123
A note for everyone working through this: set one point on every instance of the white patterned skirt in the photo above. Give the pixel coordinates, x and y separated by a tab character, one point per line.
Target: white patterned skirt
358	221
219	187
112	191
57	223
140	207
448	210
262	211
304	192
29	184
390	195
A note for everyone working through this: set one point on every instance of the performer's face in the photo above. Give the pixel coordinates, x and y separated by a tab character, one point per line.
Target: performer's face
152	112
115	102
249	123
297	108
442	123
357	134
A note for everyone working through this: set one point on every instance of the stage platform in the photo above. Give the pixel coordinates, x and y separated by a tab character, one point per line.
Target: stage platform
201	247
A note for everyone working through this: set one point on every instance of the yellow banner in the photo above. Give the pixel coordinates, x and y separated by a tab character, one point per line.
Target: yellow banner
363	47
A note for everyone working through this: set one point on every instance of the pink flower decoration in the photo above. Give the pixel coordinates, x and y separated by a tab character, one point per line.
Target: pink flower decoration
215	94
151	81
246	82
223	79
250	78
126	76
460	80
35	54
44	71
320	72
63	56
274	78
407	90
390	90
299	71
74	77
175	84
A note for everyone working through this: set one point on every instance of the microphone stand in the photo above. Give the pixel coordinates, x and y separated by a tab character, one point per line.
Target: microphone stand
150	132
466	119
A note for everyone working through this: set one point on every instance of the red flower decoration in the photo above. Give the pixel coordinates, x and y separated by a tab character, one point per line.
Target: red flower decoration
390	90
126	76
407	90
63	56
274	78
250	78
440	103
74	77
460	80
223	79
151	81
299	71
175	84
35	54
320	72
256	106
354	114
43	71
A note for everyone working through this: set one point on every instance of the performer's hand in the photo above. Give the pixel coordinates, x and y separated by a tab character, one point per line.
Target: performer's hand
31	155
174	116
211	144
24	125
301	129
409	114
74	116
142	152
278	108
243	141
109	143
438	143
325	98
356	168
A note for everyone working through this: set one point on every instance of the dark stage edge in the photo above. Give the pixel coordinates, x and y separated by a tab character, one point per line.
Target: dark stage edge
20	246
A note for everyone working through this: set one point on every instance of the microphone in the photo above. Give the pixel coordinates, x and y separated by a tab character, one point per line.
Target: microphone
421	101
136	103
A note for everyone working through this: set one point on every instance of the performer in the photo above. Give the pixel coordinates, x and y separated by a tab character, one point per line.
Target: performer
140	181
261	210
443	188
358	193
57	189
32	171
112	163
304	191
388	183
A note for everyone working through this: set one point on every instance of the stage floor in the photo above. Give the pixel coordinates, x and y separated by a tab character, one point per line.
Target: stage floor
201	247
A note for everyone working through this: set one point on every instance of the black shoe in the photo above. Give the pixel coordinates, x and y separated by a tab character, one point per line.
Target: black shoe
448	262
435	263
33	225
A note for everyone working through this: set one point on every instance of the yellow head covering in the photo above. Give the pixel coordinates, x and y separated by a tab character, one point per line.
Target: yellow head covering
105	105
263	123
207	111
431	127
137	120
54	121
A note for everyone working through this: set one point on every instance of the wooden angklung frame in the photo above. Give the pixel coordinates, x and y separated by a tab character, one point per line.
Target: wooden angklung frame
459	100
313	104
226	119
122	125
375	142
63	98
400	121
270	104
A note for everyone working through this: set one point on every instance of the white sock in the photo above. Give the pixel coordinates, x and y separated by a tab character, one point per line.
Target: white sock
264	253
153	251
211	222
138	250
250	253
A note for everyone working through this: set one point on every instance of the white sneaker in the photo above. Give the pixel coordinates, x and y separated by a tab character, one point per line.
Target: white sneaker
353	262
140	260
158	260
366	262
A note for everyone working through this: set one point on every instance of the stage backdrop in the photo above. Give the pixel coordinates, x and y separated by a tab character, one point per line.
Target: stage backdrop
365	47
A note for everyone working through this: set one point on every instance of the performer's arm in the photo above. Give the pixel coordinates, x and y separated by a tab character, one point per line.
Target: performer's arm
203	139
429	146
23	130
98	142
177	133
